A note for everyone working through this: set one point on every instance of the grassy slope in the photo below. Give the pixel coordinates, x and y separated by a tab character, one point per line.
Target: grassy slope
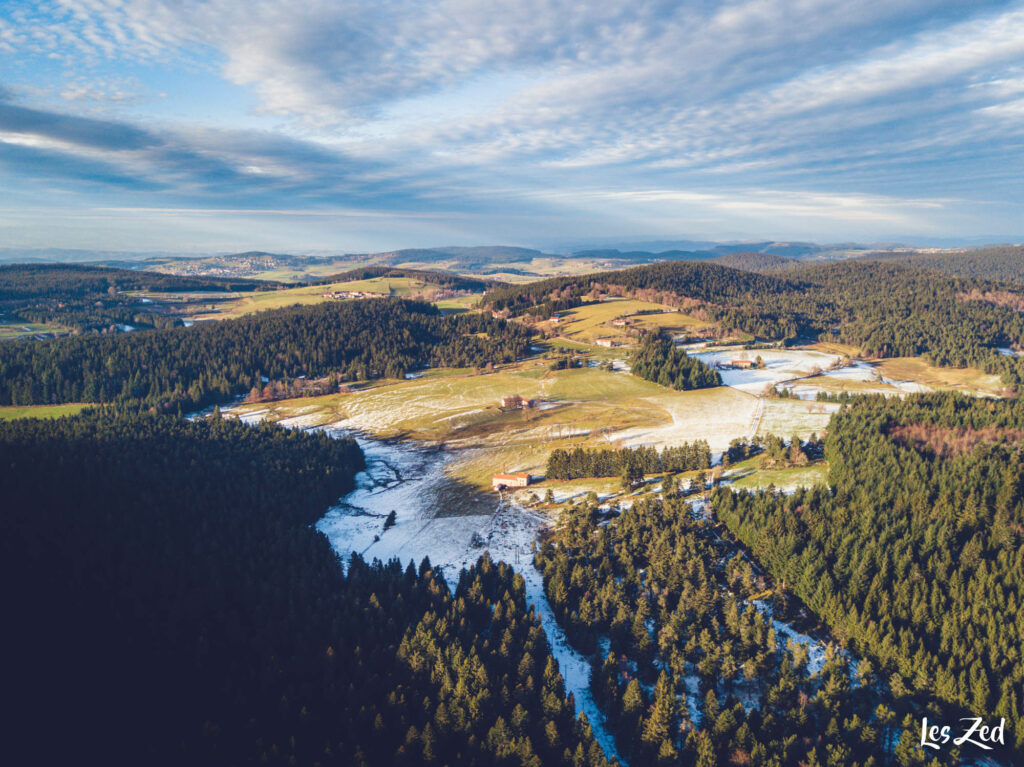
39	411
747	475
588	323
16	329
919	371
238	304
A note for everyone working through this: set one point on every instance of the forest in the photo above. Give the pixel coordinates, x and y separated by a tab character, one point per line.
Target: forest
92	298
169	602
446	280
658	360
690	661
1001	263
914	553
702	281
583	462
211	362
952	321
21	281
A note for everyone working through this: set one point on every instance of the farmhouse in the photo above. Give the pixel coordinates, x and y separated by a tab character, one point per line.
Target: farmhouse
608	343
735	365
511	402
502	481
515	402
621	322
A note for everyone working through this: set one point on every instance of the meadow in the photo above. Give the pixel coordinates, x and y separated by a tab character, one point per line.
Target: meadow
17	329
9	413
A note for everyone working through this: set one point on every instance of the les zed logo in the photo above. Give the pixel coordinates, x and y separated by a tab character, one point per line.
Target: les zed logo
975	733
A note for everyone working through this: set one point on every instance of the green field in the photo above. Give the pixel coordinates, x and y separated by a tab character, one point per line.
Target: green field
746	475
586	324
238	304
577	406
15	329
8	413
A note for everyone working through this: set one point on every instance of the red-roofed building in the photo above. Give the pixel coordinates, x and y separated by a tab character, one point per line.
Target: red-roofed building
502	481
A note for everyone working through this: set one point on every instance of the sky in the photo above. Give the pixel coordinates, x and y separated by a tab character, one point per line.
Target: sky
230	125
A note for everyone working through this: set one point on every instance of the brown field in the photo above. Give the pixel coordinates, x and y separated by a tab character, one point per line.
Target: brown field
946	442
917	370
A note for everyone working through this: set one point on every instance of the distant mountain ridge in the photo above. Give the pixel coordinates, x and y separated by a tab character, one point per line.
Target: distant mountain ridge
1001	263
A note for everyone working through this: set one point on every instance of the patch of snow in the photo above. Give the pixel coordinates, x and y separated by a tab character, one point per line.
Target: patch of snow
909	387
693	700
1007	352
858	370
779	366
252	417
300	421
411	481
784	633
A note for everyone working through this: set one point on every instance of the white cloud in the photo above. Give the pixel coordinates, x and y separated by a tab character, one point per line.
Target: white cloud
475	100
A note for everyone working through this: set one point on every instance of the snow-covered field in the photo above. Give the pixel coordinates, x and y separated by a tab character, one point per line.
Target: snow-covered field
717	415
779	366
439	518
908	387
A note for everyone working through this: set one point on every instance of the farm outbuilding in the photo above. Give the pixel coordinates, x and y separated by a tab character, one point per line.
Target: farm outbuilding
502	481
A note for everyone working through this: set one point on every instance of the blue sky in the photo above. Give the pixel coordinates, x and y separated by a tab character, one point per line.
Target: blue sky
202	125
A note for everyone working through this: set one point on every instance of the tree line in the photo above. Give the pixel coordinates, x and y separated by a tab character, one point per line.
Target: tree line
583	462
448	280
168	601
23	281
213	361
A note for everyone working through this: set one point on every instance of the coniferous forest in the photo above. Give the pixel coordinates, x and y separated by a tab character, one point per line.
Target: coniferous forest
610	462
91	298
914	553
211	362
170	603
658	360
953	321
687	663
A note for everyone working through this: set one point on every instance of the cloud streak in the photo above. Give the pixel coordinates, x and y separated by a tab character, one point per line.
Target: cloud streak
863	115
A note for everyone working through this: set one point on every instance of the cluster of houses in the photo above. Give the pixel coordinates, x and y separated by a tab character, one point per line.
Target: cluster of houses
341	295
